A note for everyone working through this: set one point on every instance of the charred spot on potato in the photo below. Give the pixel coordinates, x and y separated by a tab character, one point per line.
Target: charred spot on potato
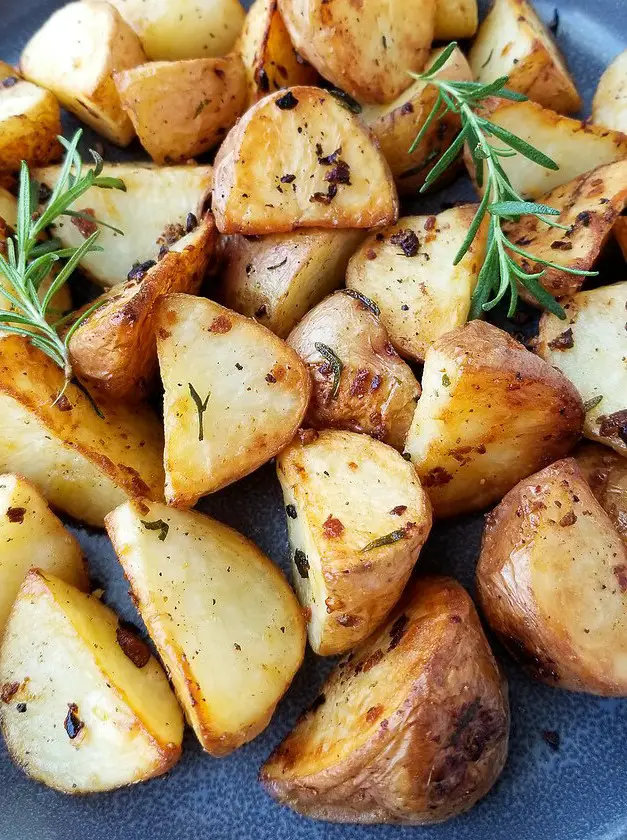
287	102
171	234
261	311
73	724
332	528
564	341
562	245
9	82
221	324
21	708
324	198
399	510
290	510
302	563
407	241
270	378
327	160
261	77
16	514
374	713
339	174
541	668
437	477
614	425
8	691
139	270
397	631
191	223
63	403
430	223
620	573
568	519
371	661
346	620
133	647
307	436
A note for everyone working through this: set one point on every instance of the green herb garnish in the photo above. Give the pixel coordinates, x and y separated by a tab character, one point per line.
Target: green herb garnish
336	365
592	403
367	302
157	525
388	539
201	407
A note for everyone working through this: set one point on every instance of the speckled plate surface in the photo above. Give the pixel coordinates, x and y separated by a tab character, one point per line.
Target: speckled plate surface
578	792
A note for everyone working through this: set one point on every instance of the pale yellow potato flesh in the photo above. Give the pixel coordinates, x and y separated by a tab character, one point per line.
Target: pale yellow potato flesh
606	473
609	106
455	19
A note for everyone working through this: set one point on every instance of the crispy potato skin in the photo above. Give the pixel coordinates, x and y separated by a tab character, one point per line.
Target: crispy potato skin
550	581
412	727
378	392
609	106
606	473
620	234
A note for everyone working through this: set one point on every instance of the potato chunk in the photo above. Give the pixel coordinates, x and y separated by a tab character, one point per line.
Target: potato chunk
606	473
455	19
408	271
591	350
224	619
85	707
491	413
514	42
320	168
620	234
376	392
234	395
552	582
412	727
357	518
610	100
74	55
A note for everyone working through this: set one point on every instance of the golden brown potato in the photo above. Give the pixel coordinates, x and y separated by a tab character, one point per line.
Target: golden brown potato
412	727
114	351
366	50
606	473
620	234
590	348
357	519
374	392
455	19
491	413
320	167
552	582
234	395
514	42
277	279
74	55
224	619
85	707
408	271
609	106
396	124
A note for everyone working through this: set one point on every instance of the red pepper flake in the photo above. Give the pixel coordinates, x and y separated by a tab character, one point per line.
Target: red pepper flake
564	341
371	254
63	404
437	477
407	108
407	241
220	325
430	223
332	528
374	713
620	573
346	620
8	691
132	646
399	510
270	378
16	514
359	384
568	519
614	425
84	226
372	660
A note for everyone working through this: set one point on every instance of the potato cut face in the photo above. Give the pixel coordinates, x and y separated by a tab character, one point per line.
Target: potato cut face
552	581
84	464
609	106
234	395
379	743
513	41
606	473
320	168
491	413
224	619
376	391
455	19
277	279
30	120
408	271
152	212
77	714
590	348
357	518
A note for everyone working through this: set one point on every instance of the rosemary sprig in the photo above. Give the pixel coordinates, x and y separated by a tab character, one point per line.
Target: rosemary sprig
500	272
29	261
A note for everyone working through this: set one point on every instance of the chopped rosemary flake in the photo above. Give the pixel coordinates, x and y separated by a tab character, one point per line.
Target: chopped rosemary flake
201	407
157	525
336	366
592	403
370	304
388	539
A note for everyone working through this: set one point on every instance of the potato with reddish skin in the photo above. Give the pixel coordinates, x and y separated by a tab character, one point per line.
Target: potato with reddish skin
606	473
412	727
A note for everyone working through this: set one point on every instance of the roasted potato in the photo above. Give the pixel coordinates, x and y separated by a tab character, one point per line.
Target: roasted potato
114	351
408	271
171	31
357	519
224	619
320	167
590	348
373	391
85	707
576	147
396	124
455	19
181	109
234	395
364	50
514	42
412	727
609	106
606	473
552	582
152	212
85	458
491	413
74	55
620	234
277	279
271	61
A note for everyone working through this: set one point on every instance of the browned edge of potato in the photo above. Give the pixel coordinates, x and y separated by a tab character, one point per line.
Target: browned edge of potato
606	473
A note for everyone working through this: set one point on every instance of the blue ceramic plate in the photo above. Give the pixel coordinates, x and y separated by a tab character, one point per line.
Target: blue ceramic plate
577	792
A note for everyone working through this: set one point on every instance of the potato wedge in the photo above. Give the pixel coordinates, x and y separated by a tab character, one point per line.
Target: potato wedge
455	19
514	42
365	50
576	147
412	727
320	168
277	279
114	351
271	61
357	519
606	473
408	271
491	413
171	31
85	458
376	391
609	106
224	619
590	348
85	707
552	582
74	55
620	234
396	124
152	212
234	395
